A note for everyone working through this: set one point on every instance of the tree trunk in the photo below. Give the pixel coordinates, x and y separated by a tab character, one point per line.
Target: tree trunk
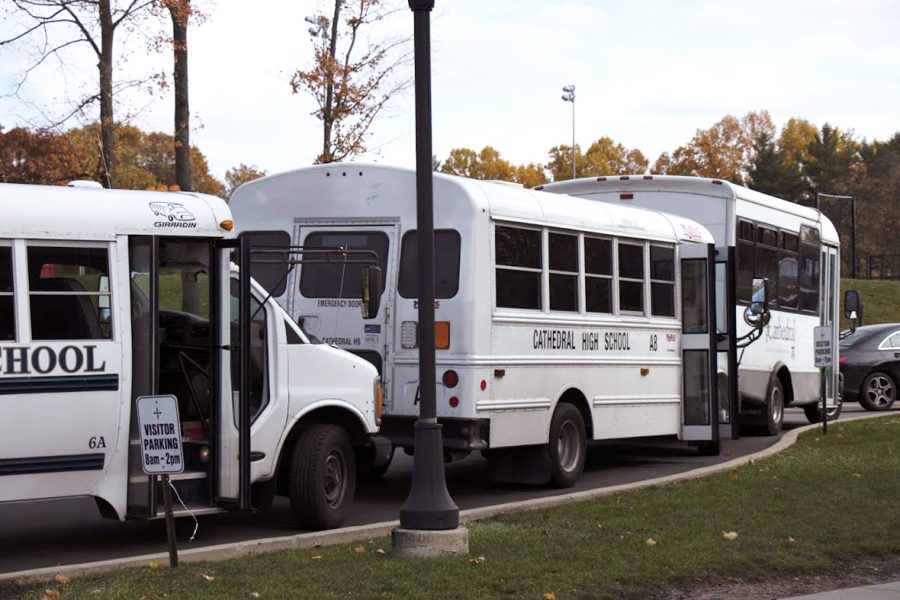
180	12
327	116
107	124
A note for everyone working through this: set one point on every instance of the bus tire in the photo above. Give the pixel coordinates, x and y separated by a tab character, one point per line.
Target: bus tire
567	445
323	477
813	412
774	417
366	469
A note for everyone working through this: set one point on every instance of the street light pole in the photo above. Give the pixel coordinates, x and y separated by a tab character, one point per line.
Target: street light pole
852	199
429	505
569	96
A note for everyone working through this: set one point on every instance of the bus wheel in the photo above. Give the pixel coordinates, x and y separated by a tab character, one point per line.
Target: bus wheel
366	469
774	409
323	477
567	445
813	412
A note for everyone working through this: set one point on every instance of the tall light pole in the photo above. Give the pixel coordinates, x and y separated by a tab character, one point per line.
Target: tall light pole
569	96
429	519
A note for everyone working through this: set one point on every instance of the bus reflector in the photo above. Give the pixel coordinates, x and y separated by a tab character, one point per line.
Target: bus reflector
454	401
227	224
626	196
442	335
379	400
483	385
450	378
498	373
409	335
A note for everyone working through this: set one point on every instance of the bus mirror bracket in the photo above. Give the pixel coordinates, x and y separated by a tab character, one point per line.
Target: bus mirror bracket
371	291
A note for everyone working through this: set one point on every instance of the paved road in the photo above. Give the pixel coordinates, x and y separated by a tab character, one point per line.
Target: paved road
59	532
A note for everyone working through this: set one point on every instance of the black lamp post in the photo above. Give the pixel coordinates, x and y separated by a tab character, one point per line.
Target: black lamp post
429	505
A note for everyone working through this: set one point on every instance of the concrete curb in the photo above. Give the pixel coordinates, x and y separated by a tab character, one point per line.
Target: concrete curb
347	535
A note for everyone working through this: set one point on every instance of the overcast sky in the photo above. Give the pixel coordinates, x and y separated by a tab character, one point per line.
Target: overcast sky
647	73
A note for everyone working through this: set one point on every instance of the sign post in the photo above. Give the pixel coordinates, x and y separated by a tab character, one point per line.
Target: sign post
160	430
823	357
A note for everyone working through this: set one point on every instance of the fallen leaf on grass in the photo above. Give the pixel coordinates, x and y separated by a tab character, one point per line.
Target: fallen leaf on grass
549	596
63	579
650	542
153	564
858	475
729	535
360	549
317	557
207	577
791	540
254	594
734	475
379	551
250	554
50	595
476	561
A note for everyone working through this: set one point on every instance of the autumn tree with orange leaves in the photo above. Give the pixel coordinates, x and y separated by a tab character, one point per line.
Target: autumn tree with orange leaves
353	75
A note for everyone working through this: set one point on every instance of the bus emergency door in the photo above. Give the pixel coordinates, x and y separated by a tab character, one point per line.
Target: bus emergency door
829	294
700	405
329	299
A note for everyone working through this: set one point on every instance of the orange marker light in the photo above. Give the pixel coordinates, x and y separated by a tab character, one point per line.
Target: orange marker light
442	335
227	224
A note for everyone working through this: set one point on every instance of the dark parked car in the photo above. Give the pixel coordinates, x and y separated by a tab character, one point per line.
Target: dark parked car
870	364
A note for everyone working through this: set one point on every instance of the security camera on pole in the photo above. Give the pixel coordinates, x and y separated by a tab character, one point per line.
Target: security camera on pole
429	519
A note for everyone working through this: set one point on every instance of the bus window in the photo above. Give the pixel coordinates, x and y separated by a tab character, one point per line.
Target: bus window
662	281
446	264
518	271
746	251
631	277
340	280
7	314
767	258
694	309
598	275
809	269
65	293
788	271
563	257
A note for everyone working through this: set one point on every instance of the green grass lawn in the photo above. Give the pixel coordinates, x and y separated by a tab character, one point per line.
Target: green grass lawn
881	300
826	502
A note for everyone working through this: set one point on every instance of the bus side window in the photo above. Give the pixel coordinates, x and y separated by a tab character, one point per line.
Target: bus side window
809	269
746	251
767	259
662	281
7	305
598	275
518	254
631	277
65	293
563	257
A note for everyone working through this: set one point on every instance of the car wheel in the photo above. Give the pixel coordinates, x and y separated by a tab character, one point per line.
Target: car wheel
878	392
567	445
323	477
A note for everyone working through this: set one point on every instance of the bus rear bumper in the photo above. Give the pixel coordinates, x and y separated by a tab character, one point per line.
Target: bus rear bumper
456	434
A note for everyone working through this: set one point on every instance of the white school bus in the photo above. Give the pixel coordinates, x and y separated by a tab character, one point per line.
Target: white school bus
757	236
107	296
558	320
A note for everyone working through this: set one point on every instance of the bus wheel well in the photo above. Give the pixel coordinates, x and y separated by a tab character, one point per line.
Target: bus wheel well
784	376
330	415
574	396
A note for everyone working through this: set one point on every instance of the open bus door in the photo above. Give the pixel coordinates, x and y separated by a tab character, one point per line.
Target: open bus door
699	348
726	343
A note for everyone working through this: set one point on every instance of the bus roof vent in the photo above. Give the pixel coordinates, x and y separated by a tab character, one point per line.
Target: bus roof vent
716	182
84	183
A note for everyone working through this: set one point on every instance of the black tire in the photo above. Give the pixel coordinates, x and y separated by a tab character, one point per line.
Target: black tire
262	494
709	448
878	392
366	471
567	445
323	477
813	412
774	417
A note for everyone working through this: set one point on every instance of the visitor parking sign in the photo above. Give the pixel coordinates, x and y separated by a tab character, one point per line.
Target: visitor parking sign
160	431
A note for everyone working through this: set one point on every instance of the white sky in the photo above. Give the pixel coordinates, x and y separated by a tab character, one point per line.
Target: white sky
647	73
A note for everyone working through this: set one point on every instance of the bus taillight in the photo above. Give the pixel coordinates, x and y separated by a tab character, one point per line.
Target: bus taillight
450	378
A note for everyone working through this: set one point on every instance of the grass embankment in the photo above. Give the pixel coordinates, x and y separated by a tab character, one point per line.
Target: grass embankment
826	502
880	298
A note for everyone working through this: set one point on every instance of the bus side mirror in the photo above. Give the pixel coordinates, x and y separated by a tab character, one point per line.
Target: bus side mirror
757	314
371	291
853	308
